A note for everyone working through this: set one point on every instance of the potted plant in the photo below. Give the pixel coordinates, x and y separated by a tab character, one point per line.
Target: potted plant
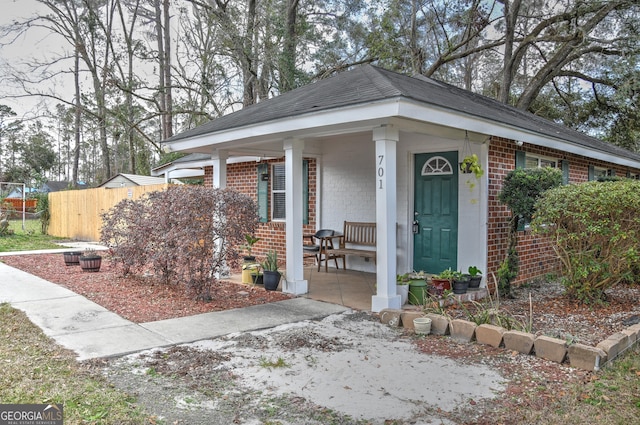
271	275
459	283
475	277
90	261
250	267
414	284
249	270
442	281
471	164
248	246
402	287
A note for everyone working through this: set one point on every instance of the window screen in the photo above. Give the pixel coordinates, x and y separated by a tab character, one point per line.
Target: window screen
278	194
600	172
539	162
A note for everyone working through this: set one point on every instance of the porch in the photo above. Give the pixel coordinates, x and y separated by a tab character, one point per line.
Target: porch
349	288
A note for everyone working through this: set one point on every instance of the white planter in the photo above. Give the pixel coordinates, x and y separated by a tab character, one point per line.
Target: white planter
422	325
403	291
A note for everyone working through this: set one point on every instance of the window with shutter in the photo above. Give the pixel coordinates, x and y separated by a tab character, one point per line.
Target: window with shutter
278	193
598	173
276	196
263	192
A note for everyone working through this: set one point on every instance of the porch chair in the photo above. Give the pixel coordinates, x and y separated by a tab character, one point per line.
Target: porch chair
320	244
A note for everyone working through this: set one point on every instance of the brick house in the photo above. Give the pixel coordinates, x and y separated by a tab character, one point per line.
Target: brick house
372	145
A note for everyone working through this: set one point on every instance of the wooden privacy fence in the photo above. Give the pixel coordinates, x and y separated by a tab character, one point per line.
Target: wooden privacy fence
76	214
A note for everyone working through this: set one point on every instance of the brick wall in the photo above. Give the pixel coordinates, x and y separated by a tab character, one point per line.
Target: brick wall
536	254
243	177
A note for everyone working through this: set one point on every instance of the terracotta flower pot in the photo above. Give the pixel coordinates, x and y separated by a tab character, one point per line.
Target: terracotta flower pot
442	284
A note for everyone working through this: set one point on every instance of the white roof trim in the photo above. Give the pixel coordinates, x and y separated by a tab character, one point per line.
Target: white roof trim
363	117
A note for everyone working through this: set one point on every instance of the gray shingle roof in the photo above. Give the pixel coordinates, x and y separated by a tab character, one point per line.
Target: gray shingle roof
194	157
367	83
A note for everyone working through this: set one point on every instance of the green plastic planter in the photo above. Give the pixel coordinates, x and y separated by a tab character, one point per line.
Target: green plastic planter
417	292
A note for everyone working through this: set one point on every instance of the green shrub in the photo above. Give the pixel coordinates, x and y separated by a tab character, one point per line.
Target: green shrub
42	208
521	189
524	186
595	231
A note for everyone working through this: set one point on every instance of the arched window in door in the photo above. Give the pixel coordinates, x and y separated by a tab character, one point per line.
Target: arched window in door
437	166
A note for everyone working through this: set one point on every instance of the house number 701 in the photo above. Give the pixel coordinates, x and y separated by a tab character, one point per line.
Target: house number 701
380	169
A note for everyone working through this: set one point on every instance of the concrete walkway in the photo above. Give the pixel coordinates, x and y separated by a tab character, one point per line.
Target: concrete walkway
92	331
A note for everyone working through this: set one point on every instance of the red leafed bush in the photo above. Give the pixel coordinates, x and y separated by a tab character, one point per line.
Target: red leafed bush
185	234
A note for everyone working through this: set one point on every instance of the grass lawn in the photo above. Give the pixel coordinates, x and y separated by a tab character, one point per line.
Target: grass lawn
36	370
27	239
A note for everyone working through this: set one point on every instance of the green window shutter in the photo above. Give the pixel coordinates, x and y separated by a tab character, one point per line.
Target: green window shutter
612	172
520	159
565	171
591	173
263	193
305	191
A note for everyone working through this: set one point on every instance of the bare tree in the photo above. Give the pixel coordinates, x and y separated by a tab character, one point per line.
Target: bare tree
78	119
163	37
288	63
128	27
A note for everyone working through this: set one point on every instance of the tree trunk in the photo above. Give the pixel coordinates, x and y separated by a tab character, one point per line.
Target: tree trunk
168	131
508	70
288	63
78	120
162	100
247	56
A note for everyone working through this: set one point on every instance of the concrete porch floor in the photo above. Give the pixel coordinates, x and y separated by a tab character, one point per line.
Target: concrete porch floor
348	288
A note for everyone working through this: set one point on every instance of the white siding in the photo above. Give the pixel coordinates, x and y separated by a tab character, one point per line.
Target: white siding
348	193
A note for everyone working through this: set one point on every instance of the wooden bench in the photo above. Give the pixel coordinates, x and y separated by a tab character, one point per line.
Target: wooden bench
357	239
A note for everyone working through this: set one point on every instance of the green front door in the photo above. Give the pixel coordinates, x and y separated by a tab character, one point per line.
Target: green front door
435	239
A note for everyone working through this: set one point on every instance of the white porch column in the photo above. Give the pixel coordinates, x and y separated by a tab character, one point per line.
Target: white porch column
386	140
294	282
219	158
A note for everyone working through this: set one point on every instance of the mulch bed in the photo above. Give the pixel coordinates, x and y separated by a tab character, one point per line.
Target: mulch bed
146	299
139	299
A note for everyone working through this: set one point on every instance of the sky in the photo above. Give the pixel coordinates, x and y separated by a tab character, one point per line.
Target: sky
34	45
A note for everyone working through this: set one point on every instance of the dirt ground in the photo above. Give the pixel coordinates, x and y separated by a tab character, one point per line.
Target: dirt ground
345	369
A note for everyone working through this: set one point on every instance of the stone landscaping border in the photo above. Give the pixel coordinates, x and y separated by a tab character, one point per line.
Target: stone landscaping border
557	350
